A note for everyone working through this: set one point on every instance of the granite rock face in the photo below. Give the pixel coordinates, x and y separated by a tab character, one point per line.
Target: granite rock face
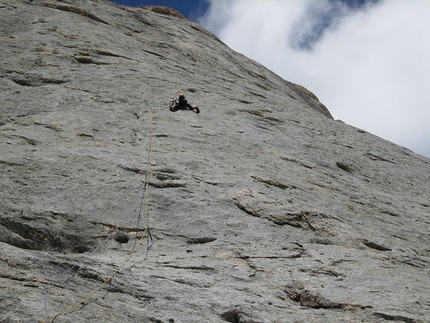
261	208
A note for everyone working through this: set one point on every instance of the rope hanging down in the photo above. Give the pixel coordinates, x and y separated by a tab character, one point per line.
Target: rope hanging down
145	233
67	272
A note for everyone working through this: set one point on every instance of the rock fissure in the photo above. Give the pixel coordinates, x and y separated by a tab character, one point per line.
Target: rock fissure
76	10
397	318
313	299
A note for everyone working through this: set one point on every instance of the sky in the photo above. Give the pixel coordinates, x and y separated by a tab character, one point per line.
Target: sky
368	61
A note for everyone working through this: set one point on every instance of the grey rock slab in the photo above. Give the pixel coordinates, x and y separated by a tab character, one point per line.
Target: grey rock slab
261	208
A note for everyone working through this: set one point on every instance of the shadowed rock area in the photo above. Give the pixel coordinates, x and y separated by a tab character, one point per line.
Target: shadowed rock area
261	208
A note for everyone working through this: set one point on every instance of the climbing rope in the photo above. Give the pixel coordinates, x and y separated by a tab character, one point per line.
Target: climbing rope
145	233
77	265
146	183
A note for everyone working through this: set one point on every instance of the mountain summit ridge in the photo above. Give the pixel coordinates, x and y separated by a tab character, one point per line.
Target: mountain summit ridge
262	208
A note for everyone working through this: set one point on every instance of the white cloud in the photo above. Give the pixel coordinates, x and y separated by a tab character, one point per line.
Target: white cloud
371	67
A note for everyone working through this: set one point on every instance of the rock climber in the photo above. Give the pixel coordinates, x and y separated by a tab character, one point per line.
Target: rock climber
181	103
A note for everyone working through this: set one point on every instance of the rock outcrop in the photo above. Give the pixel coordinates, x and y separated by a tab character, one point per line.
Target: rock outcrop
164	11
261	208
